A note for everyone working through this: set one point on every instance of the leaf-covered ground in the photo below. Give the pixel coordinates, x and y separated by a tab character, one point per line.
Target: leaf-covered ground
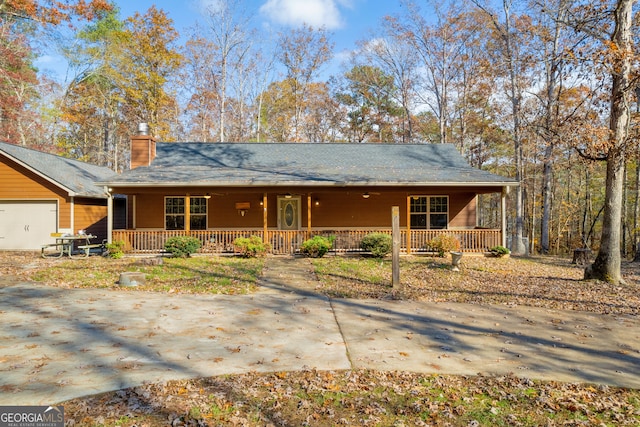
537	281
364	397
359	398
212	275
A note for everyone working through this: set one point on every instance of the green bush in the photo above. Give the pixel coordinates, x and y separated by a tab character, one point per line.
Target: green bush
251	247
115	249
317	246
379	244
444	243
499	251
182	246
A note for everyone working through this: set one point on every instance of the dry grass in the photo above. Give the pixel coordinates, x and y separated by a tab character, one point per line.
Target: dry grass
373	398
537	281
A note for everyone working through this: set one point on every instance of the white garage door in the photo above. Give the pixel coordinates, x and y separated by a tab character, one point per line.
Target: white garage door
26	224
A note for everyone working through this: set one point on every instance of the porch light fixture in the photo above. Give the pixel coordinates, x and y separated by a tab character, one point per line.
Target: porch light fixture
207	196
317	202
287	196
365	195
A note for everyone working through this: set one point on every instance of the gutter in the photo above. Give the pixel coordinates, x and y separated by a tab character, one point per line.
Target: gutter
306	184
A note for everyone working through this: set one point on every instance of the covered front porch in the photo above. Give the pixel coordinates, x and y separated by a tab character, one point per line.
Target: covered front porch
288	193
288	242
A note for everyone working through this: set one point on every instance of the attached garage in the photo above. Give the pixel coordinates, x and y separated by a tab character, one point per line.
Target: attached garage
26	224
41	193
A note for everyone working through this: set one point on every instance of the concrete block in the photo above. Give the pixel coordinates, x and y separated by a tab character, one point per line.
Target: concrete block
132	278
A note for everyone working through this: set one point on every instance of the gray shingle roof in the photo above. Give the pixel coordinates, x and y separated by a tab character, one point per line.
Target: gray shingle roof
280	164
78	178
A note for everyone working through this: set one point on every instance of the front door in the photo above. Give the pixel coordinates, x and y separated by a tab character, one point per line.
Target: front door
289	213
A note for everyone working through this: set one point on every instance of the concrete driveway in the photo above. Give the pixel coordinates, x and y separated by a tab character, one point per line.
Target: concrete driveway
57	344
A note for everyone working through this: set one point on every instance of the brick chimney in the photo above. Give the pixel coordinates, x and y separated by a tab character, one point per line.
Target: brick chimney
143	147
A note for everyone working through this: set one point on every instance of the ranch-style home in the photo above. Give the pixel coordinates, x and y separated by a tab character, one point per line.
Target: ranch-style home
42	193
286	193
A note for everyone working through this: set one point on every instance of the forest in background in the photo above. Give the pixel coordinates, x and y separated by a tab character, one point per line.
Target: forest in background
522	88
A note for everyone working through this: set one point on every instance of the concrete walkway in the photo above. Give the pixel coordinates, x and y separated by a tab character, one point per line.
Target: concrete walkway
56	344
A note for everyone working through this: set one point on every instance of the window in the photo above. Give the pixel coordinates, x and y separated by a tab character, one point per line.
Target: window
175	213
198	213
429	212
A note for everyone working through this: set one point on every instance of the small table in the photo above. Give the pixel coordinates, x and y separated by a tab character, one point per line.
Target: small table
66	244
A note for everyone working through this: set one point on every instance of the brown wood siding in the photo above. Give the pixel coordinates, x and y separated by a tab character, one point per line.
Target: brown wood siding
149	211
91	216
19	183
222	211
337	207
349	209
462	210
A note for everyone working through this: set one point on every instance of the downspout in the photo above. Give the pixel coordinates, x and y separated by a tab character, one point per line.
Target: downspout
409	225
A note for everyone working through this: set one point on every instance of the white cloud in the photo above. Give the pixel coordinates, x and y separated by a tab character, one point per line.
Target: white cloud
317	13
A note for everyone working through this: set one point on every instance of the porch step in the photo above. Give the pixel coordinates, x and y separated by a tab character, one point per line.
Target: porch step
288	274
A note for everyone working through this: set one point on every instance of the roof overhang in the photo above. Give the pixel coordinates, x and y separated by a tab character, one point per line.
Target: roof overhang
307	184
70	192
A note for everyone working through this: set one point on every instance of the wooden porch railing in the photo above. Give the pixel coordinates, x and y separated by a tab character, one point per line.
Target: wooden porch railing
287	242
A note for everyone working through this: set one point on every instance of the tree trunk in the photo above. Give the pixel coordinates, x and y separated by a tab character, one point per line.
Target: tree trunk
607	264
553	62
518	246
636	209
546	201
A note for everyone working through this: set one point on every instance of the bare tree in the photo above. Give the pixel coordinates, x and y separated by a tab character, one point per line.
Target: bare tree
303	52
395	54
227	26
552	57
509	50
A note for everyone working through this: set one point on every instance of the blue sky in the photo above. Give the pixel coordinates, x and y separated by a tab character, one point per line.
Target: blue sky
348	20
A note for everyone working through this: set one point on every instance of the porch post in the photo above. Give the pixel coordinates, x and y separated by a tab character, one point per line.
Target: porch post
309	214
503	215
409	225
134	209
395	252
187	213
109	214
265	238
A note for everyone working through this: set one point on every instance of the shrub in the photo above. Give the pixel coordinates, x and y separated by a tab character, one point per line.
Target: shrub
317	246
379	244
115	249
499	251
251	247
444	243
182	246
